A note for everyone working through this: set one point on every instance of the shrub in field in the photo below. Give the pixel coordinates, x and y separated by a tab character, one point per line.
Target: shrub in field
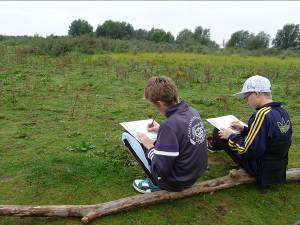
122	71
134	67
181	76
3	49
59	45
15	40
27	50
208	77
85	44
55	46
185	75
147	70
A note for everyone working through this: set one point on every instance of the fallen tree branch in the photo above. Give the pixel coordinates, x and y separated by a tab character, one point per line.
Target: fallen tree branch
91	212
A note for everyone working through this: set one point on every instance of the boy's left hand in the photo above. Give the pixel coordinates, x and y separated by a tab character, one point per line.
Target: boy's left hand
225	133
147	142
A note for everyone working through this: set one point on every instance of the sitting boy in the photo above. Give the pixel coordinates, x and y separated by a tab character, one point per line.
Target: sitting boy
179	155
262	147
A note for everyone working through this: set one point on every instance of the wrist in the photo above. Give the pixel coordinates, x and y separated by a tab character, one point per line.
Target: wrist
150	147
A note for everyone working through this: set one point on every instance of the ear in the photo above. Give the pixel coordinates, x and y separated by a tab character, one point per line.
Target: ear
160	104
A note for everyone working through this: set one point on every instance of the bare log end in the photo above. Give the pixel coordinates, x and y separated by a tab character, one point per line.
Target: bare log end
85	220
92	215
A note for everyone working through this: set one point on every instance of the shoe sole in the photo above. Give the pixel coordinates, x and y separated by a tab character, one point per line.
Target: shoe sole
139	190
212	151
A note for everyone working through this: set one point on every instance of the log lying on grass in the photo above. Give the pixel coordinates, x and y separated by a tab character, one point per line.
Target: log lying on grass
90	212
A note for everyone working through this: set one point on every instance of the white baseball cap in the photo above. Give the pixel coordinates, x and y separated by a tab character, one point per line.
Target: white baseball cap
255	84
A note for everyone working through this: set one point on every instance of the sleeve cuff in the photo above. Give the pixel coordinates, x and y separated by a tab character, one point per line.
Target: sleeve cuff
245	131
150	153
232	136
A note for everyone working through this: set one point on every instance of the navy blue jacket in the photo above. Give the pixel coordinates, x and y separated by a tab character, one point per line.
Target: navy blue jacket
269	126
179	156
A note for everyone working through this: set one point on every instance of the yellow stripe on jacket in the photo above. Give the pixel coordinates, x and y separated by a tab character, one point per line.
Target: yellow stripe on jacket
255	127
255	123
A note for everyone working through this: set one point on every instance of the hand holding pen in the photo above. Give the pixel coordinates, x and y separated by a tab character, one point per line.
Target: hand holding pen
236	125
153	126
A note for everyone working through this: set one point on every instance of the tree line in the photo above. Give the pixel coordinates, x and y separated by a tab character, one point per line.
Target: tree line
125	31
287	37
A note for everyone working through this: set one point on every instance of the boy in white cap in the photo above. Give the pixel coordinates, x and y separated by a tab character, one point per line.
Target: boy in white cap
262	147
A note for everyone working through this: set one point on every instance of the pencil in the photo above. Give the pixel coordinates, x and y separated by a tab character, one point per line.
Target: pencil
151	124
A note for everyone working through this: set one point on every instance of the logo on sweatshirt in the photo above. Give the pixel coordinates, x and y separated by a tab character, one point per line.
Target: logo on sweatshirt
284	126
196	131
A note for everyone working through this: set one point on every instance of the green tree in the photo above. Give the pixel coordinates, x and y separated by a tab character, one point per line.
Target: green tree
185	35
80	27
115	30
169	37
239	39
141	34
159	35
259	41
202	35
287	37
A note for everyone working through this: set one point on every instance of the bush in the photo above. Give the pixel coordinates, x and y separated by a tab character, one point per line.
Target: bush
60	45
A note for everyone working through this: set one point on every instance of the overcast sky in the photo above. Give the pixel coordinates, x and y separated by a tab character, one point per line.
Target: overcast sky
223	18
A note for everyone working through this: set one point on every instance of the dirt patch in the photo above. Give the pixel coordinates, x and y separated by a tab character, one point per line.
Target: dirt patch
222	209
5	178
283	196
213	160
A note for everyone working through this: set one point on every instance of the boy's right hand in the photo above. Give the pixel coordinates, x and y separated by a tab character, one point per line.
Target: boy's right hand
237	126
153	127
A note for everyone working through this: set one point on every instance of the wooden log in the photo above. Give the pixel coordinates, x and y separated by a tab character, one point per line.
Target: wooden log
91	212
45	211
235	177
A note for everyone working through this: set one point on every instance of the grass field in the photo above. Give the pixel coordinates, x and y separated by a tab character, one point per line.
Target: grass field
60	137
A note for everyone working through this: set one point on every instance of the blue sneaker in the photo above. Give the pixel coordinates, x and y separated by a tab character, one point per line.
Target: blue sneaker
145	186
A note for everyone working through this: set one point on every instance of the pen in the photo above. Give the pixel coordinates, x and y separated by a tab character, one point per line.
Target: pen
151	124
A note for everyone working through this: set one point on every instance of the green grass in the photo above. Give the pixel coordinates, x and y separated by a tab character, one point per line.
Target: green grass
51	105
